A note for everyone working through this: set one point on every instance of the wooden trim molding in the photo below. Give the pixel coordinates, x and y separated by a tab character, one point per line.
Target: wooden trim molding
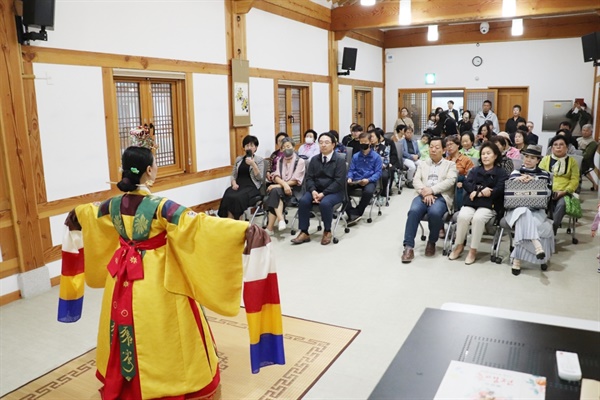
304	11
10	297
75	57
288	76
360	82
62	206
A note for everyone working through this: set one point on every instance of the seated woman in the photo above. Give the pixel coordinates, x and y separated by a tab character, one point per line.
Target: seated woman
483	199
467	140
246	179
565	172
510	151
309	148
424	146
502	144
465	125
277	154
534	239
483	135
520	140
567	134
287	183
463	166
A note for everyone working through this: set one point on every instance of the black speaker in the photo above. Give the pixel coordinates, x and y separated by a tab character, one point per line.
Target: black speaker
38	13
349	59
591	47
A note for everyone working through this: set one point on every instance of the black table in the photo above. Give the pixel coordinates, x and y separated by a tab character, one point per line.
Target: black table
441	336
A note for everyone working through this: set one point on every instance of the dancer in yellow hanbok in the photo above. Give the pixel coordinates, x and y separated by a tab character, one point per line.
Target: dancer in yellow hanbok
159	262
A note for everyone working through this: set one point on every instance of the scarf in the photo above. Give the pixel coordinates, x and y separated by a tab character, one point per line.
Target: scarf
560	166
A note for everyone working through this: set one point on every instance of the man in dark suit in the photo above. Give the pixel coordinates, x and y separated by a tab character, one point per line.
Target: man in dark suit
451	111
531	137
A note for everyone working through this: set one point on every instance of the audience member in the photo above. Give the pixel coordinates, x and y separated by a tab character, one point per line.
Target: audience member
579	117
468	141
520	140
486	114
430	126
565	174
404	119
351	135
246	178
325	182
339	147
484	133
533	236
506	163
452	113
567	126
354	144
287	178
434	185
424	146
309	148
465	123
531	138
371	127
365	171
571	149
386	148
511	123
589	146
483	200
463	166
410	155
510	152
399	133
277	154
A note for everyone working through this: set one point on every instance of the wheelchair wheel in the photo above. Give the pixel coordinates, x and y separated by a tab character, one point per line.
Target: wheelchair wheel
568	231
369	220
335	240
423	237
319	227
544	267
379	213
293	232
347	230
493	258
575	241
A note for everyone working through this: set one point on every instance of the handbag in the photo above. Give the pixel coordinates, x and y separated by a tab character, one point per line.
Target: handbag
573	206
533	194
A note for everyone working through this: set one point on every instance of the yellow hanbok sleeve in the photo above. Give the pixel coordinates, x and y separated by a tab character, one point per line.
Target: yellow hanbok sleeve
204	259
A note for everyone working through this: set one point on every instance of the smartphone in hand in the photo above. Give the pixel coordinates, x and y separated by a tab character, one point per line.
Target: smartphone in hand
249	153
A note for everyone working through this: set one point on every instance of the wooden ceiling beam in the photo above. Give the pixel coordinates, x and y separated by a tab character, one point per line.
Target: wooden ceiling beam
426	12
533	29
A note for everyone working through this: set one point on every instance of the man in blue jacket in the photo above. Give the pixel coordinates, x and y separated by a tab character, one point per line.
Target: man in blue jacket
364	173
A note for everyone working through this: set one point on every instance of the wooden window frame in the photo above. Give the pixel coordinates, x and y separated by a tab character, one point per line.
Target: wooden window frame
182	142
305	106
368	93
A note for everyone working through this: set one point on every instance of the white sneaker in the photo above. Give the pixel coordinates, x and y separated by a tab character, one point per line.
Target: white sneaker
281	226
271	233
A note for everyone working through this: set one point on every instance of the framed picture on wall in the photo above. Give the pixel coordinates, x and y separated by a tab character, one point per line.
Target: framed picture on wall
241	92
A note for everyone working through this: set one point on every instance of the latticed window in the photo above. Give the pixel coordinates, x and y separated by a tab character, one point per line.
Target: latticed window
293	111
156	103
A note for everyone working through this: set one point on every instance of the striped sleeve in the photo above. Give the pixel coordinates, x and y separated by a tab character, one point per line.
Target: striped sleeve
70	302
261	299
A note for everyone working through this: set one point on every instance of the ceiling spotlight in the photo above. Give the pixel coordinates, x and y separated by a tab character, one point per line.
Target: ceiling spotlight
517	27
432	33
509	8
404	18
367	2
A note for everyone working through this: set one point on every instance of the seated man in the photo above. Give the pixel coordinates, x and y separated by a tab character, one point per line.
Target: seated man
353	143
365	171
588	145
410	155
325	180
434	183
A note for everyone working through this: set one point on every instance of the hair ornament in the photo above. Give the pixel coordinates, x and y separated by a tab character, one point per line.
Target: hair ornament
134	170
143	136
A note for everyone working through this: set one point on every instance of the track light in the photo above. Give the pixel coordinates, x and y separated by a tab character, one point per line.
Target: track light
404	18
432	33
517	27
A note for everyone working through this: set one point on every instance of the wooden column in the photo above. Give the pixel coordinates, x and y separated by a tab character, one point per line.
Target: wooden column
235	14
334	96
17	159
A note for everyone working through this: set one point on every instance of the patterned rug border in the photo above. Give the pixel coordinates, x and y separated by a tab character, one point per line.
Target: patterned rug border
210	319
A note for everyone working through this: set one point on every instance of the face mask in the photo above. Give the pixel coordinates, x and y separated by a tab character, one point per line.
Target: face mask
309	140
364	146
288	152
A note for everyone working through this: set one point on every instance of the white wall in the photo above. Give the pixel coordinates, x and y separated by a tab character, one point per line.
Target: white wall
378	107
279	43
262	114
211	116
345	109
320	110
552	69
72	130
176	29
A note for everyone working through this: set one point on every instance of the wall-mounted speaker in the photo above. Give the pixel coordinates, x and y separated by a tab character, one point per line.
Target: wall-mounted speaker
591	47
349	59
38	13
